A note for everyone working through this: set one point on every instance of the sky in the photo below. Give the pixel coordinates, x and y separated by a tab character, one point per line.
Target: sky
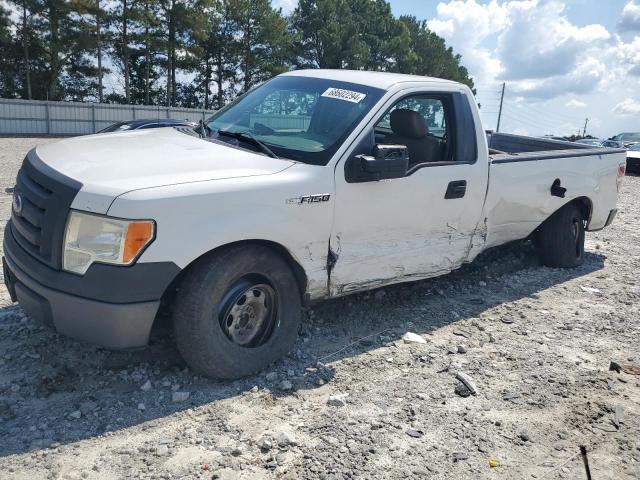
562	62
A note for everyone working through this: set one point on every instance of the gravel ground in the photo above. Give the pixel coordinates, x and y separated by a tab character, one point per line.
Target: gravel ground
354	400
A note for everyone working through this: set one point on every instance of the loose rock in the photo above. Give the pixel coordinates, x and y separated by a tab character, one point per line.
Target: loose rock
466	379
411	337
339	400
177	397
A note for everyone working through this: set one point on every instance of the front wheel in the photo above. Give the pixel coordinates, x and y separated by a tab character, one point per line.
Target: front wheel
560	239
237	311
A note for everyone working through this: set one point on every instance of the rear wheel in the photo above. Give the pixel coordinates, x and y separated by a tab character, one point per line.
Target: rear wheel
237	311
560	239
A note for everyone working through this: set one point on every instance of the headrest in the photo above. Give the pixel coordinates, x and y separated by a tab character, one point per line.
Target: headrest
408	123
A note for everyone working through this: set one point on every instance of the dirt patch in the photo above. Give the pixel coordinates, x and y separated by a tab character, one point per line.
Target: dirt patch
536	343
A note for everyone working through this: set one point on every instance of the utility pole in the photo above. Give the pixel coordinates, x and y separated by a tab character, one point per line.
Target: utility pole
584	131
500	111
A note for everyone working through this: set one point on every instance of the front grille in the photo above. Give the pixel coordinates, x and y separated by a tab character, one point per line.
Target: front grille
45	196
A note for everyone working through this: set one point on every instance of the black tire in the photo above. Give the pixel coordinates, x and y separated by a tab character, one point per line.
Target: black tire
560	239
211	295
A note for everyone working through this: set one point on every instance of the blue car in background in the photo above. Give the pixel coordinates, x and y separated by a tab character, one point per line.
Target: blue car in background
148	123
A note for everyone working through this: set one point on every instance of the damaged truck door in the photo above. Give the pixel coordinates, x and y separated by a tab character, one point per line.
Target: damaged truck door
421	224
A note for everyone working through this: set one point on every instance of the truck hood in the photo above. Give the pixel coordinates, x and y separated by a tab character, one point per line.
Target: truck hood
109	165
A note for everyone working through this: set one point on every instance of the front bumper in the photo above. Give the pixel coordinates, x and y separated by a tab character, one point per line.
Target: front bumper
110	306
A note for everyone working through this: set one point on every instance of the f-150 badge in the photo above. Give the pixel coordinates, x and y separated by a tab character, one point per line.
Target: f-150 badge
317	198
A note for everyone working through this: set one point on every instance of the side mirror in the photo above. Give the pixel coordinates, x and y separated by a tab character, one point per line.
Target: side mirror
387	161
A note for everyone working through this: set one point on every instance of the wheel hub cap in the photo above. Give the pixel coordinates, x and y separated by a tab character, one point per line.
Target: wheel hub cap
249	315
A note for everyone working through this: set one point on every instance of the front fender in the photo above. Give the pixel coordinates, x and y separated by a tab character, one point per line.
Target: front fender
193	219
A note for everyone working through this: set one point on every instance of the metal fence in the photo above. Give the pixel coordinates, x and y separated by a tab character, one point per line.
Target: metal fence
281	122
37	117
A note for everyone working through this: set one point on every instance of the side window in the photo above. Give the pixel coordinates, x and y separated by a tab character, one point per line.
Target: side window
421	122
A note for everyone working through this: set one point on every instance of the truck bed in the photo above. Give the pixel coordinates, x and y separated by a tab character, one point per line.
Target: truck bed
523	170
505	147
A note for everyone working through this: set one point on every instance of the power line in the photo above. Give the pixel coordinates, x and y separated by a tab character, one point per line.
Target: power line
552	122
526	122
547	112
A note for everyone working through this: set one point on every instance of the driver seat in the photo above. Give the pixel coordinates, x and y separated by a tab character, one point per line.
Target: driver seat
409	128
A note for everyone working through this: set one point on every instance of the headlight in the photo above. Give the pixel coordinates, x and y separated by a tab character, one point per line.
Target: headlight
96	238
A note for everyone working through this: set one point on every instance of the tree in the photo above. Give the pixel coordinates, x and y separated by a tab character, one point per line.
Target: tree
202	52
120	20
92	40
56	24
364	34
429	55
244	43
385	37
217	53
327	35
265	43
9	59
151	41
24	32
182	22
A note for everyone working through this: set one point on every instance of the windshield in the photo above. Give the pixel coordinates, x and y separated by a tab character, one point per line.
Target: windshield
629	137
635	148
300	118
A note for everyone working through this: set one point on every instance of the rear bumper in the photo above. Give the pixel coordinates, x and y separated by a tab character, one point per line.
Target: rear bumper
61	305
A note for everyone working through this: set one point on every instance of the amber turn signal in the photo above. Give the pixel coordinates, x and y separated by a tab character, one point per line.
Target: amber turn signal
139	235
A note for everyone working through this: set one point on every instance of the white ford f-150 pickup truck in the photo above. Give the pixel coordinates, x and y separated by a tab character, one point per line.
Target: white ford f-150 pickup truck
314	185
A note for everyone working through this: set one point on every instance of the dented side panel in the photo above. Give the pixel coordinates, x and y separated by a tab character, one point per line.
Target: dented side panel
405	229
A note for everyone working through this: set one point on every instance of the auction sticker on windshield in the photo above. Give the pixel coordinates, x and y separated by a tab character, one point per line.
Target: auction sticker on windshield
340	94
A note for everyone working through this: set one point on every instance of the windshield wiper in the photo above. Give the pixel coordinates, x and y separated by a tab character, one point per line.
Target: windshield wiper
204	129
250	138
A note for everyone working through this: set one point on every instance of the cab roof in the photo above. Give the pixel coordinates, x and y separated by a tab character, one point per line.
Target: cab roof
382	80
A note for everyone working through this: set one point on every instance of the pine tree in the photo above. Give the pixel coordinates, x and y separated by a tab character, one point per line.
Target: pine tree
328	35
202	52
10	58
150	39
429	55
220	53
264	44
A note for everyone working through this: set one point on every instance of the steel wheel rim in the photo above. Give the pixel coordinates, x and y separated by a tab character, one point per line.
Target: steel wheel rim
249	312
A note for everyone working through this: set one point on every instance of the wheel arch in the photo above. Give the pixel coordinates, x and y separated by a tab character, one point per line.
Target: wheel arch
586	206
297	269
583	202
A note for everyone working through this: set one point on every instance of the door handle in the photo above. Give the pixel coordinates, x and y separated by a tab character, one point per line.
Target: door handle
456	189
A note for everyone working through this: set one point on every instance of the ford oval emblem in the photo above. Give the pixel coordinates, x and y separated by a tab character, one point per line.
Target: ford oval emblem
17	203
